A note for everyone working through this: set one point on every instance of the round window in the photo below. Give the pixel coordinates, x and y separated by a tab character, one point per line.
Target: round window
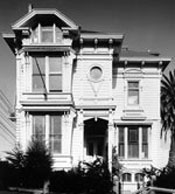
96	73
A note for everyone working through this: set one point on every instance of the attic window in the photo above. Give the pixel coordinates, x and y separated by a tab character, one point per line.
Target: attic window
46	34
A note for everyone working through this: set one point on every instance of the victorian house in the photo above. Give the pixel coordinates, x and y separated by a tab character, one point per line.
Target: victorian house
83	93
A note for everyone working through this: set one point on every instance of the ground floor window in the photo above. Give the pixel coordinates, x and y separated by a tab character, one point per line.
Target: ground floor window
48	127
133	141
126	177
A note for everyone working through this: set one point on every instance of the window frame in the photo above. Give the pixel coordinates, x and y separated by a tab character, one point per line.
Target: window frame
143	154
133	89
127	177
37	34
47	74
58	136
47	130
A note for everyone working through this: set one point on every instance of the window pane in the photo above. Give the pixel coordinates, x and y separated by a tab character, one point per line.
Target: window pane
39	127
139	177
133	85
55	64
55	83
133	93
47	35
38	84
96	73
121	142
133	143
145	142
38	63
58	35
35	38
133	97
126	177
55	133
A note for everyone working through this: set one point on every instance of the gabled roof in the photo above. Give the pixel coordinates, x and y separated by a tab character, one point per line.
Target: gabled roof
44	12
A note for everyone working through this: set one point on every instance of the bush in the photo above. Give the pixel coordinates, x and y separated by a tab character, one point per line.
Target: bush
30	169
163	178
166	178
89	178
6	171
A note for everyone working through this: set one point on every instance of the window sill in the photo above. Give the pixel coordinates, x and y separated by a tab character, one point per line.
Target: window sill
135	159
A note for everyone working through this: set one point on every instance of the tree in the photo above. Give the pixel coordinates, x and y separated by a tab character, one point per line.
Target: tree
168	112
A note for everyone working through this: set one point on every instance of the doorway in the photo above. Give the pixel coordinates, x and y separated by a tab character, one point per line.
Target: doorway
95	138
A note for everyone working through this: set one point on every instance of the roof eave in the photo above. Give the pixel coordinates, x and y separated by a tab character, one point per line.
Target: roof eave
34	12
10	40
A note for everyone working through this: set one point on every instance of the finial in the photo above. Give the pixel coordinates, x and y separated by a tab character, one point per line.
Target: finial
30	7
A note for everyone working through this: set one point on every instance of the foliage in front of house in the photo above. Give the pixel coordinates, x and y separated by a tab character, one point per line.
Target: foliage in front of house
32	168
163	178
91	178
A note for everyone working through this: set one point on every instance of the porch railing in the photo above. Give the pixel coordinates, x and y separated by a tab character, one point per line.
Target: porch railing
153	190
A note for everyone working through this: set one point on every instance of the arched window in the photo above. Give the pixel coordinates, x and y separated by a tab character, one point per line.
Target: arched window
139	177
126	177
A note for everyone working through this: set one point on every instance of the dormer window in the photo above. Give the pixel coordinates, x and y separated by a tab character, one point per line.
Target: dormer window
46	34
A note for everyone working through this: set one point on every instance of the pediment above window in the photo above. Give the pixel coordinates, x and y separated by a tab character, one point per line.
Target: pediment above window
133	73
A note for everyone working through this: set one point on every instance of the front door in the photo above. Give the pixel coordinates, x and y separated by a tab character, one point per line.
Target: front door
95	138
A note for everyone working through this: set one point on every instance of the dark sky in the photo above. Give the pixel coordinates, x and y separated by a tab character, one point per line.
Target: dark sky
147	24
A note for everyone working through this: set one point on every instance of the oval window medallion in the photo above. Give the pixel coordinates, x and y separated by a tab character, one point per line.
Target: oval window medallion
96	73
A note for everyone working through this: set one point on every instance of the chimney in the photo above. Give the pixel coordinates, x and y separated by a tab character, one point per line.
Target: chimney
30	7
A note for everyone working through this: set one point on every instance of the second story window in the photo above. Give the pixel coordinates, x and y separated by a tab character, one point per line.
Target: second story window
46	34
47	74
133	92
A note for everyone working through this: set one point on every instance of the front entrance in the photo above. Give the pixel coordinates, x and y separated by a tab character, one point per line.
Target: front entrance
95	138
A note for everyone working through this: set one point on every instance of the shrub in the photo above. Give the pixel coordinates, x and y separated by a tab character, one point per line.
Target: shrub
30	169
163	178
89	178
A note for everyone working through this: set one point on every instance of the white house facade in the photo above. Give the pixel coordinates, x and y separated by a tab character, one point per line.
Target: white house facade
83	93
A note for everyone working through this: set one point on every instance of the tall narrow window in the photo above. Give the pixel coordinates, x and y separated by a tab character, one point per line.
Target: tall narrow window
144	142
121	142
55	74
38	73
133	93
55	133
133	142
39	127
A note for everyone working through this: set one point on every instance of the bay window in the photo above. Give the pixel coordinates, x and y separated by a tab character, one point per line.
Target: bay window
48	128
47	74
133	142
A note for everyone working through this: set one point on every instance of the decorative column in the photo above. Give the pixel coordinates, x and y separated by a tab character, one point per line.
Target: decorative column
81	137
110	140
